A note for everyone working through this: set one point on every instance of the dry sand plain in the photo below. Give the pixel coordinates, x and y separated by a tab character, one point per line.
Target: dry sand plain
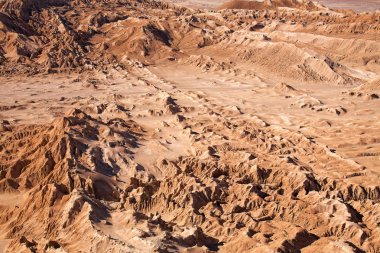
144	127
359	6
356	5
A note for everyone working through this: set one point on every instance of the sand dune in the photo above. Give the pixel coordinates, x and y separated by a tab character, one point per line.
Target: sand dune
272	4
142	126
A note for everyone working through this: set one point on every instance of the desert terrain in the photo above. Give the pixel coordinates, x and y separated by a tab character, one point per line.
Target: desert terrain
145	126
358	6
355	5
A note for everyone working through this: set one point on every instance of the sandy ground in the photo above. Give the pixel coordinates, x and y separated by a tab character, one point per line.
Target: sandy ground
359	6
356	5
261	99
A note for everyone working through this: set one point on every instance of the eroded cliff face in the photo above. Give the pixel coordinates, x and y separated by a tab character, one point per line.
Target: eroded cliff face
140	126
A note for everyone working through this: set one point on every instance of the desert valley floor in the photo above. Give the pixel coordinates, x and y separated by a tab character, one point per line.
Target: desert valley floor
143	126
